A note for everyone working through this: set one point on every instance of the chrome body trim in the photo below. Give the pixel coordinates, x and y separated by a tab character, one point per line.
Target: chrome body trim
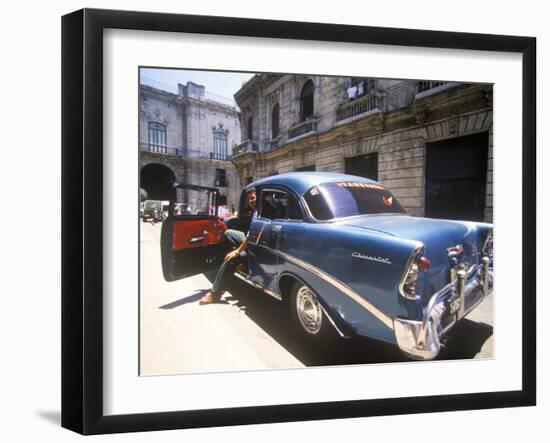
337	284
460	281
418	250
384	260
421	339
488	240
455	251
485	261
333	323
268	291
260	234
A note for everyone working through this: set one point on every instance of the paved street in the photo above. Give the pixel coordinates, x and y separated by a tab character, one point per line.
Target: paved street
252	331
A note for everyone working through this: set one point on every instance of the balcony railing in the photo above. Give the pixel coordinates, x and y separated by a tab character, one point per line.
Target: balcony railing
160	149
359	106
303	128
177	152
220	156
426	86
274	143
246	146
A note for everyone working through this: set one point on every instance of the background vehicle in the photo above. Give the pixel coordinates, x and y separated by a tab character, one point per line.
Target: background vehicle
347	258
224	212
155	210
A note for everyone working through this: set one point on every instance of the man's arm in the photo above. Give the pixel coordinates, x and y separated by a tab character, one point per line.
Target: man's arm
234	254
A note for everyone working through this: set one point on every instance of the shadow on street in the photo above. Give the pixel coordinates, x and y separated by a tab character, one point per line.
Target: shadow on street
464	341
196	296
274	318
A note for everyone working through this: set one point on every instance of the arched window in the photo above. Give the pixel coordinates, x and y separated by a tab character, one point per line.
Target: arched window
306	101
275	121
220	146
157	137
250	128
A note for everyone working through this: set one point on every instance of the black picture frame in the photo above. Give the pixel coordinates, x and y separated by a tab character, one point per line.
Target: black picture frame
82	230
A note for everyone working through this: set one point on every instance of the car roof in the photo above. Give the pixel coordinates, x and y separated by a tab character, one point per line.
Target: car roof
300	182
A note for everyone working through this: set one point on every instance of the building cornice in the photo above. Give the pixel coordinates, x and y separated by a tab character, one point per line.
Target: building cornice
251	87
175	99
207	103
449	104
159	94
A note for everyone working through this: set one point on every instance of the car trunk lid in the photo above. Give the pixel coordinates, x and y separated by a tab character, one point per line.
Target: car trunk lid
442	240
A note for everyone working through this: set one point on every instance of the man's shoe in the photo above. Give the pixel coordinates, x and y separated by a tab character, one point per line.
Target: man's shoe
209	298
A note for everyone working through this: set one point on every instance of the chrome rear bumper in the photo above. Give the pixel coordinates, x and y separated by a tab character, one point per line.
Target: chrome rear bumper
420	340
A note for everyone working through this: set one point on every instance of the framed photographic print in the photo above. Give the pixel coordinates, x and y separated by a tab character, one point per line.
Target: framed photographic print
277	221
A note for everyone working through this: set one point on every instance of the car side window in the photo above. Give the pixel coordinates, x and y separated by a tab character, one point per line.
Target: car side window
276	204
294	211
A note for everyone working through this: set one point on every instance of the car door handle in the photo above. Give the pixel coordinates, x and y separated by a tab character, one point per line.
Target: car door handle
276	228
193	240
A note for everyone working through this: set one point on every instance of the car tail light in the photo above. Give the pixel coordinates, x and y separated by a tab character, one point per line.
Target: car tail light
417	263
424	264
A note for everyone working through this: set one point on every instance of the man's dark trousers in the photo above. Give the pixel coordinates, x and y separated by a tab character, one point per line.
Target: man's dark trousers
234	238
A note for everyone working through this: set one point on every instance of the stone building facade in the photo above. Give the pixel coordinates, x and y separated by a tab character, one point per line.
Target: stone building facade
187	137
430	143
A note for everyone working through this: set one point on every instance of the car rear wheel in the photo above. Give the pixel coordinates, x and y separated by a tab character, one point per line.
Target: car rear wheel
307	314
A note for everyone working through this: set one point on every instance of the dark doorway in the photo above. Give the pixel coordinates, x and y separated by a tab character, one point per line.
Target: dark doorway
363	166
306	168
456	175
157	181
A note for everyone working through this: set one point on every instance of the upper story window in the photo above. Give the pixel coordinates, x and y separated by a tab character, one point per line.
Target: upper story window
250	128
157	137
306	101
221	178
363	166
360	86
220	146
275	121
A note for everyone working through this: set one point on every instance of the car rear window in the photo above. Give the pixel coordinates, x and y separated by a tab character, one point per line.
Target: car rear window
328	201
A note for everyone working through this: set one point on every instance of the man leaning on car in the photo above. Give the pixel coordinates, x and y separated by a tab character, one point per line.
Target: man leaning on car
239	241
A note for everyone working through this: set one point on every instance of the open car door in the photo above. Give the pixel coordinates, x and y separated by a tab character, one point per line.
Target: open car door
192	236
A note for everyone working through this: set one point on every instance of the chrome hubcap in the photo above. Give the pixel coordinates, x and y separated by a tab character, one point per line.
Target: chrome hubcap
309	311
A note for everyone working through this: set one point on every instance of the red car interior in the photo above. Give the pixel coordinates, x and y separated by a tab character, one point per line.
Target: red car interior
189	234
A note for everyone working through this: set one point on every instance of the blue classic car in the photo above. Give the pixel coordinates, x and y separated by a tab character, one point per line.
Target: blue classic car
346	257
